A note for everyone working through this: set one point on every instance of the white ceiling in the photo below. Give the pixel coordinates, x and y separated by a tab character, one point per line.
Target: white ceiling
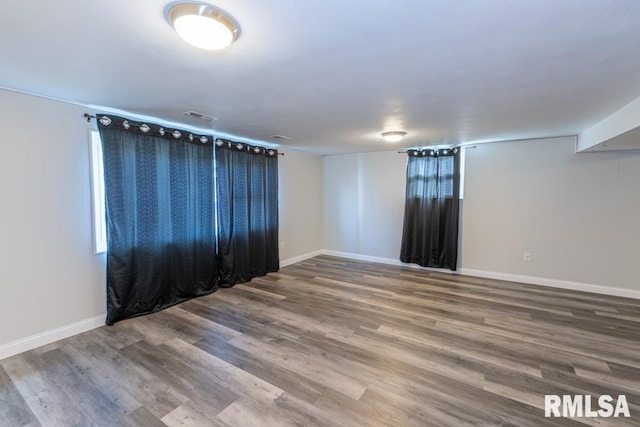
334	74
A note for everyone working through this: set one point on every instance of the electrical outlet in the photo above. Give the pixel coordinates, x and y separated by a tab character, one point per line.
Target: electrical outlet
281	245
526	257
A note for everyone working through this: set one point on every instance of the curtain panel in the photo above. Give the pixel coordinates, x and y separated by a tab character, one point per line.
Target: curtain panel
159	186
430	230
247	211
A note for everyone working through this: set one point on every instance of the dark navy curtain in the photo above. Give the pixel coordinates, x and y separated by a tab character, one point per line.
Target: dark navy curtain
247	204
160	216
430	232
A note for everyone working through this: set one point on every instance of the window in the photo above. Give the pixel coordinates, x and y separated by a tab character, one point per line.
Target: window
97	186
431	213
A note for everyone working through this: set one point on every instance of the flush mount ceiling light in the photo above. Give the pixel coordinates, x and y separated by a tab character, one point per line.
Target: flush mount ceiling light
202	25
393	136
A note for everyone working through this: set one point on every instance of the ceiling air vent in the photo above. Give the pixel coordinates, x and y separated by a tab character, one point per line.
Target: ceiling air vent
200	116
280	137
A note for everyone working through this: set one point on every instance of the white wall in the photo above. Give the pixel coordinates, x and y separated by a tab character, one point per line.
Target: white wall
576	214
49	275
364	203
300	204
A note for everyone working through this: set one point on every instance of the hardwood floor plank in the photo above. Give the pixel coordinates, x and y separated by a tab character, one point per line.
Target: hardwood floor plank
281	377
192	415
220	372
99	405
244	412
303	364
156	395
46	398
14	410
189	381
260	292
143	417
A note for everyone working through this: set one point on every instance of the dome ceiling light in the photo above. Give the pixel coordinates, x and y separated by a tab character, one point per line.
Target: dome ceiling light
393	136
203	26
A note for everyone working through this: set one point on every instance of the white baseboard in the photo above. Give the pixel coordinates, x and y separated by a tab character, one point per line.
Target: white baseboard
554	283
47	337
361	257
299	258
531	280
390	261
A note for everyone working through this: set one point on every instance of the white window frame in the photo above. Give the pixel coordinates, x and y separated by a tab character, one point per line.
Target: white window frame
97	194
463	162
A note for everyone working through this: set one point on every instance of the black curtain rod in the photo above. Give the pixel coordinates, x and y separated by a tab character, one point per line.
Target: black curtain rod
89	117
427	148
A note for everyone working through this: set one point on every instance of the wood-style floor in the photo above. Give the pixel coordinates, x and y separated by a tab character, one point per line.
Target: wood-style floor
336	342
